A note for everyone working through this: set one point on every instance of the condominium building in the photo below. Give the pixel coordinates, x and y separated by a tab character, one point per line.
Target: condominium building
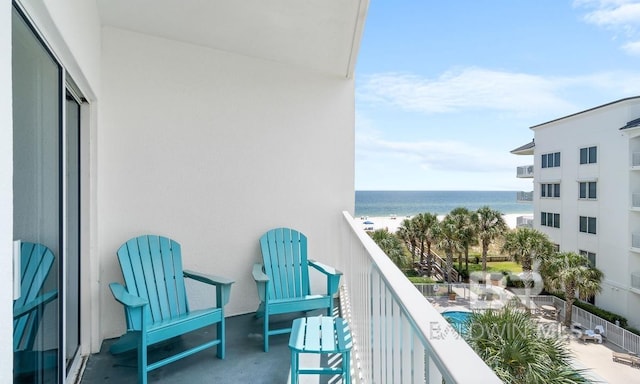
586	194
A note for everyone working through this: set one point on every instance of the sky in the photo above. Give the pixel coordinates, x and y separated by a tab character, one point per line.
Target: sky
445	89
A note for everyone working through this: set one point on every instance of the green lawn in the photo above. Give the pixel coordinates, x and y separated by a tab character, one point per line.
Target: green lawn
497	266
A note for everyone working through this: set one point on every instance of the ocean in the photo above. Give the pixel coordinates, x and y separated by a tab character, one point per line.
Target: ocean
409	203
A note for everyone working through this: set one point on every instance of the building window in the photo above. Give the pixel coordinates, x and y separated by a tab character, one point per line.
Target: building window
588	190
549	219
588	224
550	190
550	160
590	256
588	155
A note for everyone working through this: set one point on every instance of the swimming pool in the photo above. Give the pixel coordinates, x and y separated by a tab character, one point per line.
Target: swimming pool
457	319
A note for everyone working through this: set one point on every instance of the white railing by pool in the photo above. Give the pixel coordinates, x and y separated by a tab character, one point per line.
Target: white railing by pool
614	334
398	336
524	171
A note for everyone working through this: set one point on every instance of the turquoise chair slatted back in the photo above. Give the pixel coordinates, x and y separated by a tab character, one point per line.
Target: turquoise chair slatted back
36	261
152	269
284	254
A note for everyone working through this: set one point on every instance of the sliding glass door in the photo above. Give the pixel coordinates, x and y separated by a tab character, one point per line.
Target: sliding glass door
47	216
37	192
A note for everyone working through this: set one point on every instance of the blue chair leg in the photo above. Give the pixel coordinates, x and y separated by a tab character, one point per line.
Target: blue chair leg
266	330
142	358
346	367
294	367
221	335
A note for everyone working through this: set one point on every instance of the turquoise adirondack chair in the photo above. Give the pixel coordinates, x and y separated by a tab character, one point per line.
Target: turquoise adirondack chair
36	261
155	300
283	279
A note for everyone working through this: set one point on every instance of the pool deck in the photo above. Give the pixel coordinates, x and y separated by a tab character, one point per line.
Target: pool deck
595	358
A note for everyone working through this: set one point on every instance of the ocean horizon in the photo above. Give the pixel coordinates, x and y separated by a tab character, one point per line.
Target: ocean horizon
410	203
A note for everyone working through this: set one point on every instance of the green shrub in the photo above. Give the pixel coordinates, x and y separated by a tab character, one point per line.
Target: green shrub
514	282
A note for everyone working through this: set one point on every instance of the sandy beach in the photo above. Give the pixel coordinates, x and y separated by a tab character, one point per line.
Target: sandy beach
391	223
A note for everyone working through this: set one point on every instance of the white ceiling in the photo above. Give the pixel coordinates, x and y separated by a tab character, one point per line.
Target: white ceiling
321	35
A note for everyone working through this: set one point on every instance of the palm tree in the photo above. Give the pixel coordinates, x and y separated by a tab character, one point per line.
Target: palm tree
466	232
509	342
525	245
570	273
407	233
425	224
449	241
391	245
489	225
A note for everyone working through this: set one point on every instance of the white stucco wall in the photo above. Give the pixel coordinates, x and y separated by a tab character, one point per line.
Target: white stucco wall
213	149
611	244
6	197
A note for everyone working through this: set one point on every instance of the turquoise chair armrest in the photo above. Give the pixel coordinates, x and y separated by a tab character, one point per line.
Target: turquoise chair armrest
261	281
34	304
333	276
327	270
222	284
125	298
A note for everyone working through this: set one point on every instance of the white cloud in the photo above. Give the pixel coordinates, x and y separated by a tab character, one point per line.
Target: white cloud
632	48
467	88
441	155
619	16
623	15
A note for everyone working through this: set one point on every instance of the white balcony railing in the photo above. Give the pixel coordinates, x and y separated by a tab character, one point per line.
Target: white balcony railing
398	336
525	171
635	159
524	197
635	200
524	221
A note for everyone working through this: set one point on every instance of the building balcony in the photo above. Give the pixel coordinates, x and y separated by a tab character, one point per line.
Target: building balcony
525	171
524	221
635	280
635	242
635	201
399	337
635	160
524	197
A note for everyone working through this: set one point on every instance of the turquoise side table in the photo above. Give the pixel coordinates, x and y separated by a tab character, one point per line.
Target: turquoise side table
321	335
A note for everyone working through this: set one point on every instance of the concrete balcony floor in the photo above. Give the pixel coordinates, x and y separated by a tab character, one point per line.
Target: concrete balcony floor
245	360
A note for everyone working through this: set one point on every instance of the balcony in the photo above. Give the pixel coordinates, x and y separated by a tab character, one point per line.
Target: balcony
635	160
525	172
524	197
635	280
635	201
398	336
524	221
635	242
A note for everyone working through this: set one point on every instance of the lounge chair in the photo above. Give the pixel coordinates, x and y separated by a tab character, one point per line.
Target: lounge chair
589	334
599	329
621	357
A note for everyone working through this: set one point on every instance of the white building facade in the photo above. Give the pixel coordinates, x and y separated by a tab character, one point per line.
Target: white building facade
586	182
